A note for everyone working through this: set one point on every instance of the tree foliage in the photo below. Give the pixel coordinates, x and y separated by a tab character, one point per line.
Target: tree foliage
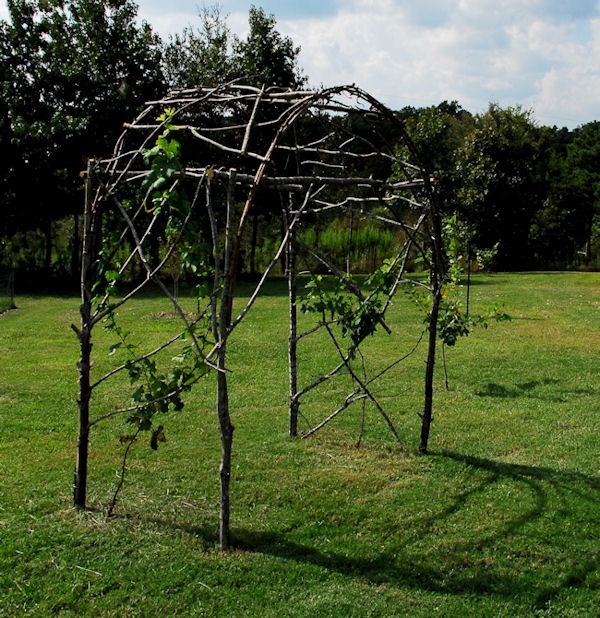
73	71
524	194
583	168
200	55
438	133
209	54
501	183
265	56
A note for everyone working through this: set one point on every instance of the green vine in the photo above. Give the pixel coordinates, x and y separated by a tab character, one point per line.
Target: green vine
162	182
156	390
454	321
357	307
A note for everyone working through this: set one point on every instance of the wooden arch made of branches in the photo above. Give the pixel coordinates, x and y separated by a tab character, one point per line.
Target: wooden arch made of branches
187	182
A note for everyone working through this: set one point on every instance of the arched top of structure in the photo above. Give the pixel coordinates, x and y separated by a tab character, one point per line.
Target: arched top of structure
277	138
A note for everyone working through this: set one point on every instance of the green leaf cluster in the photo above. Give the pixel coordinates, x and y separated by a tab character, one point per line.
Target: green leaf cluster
356	307
163	188
155	392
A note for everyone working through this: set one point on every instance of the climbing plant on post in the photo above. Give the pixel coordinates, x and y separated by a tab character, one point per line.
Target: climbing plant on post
155	390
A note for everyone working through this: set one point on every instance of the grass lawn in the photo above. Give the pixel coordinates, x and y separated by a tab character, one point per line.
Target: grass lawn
502	519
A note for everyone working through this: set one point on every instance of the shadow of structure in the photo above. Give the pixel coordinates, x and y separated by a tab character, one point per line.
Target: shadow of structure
525	554
534	389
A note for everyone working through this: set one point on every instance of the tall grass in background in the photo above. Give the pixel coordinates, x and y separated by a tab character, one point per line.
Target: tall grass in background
359	249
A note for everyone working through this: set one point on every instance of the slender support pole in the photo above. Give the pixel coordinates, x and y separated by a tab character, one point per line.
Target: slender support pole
293	338
90	236
225	426
427	416
437	274
468	276
80	480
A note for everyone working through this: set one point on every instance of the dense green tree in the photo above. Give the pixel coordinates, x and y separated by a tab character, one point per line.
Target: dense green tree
265	56
524	194
583	171
72	73
523	189
200	56
438	133
209	55
503	183
557	230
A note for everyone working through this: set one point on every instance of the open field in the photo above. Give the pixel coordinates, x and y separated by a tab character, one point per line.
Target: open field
501	520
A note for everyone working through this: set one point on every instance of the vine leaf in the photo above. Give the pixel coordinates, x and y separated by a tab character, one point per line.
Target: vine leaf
158	435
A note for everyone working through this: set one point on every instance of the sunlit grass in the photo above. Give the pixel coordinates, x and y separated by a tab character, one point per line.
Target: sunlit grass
500	520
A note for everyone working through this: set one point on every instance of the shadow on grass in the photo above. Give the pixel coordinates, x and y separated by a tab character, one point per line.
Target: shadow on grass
529	555
532	389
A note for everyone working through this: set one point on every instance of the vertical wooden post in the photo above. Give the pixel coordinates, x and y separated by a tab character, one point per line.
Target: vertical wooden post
427	415
437	275
225	426
293	338
90	245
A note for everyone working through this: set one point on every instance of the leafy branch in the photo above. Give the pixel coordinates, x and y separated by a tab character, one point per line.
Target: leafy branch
357	320
453	319
154	390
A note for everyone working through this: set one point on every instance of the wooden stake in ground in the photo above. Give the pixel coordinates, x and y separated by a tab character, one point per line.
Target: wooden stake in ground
91	236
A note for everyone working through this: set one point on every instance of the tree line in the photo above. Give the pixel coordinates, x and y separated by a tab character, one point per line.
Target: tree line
74	71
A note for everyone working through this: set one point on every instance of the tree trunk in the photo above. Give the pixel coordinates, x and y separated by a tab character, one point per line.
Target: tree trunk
293	339
225	426
154	248
253	243
91	222
48	247
426	418
75	253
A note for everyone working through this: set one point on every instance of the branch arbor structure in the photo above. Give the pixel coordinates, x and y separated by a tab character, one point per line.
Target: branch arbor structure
183	186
